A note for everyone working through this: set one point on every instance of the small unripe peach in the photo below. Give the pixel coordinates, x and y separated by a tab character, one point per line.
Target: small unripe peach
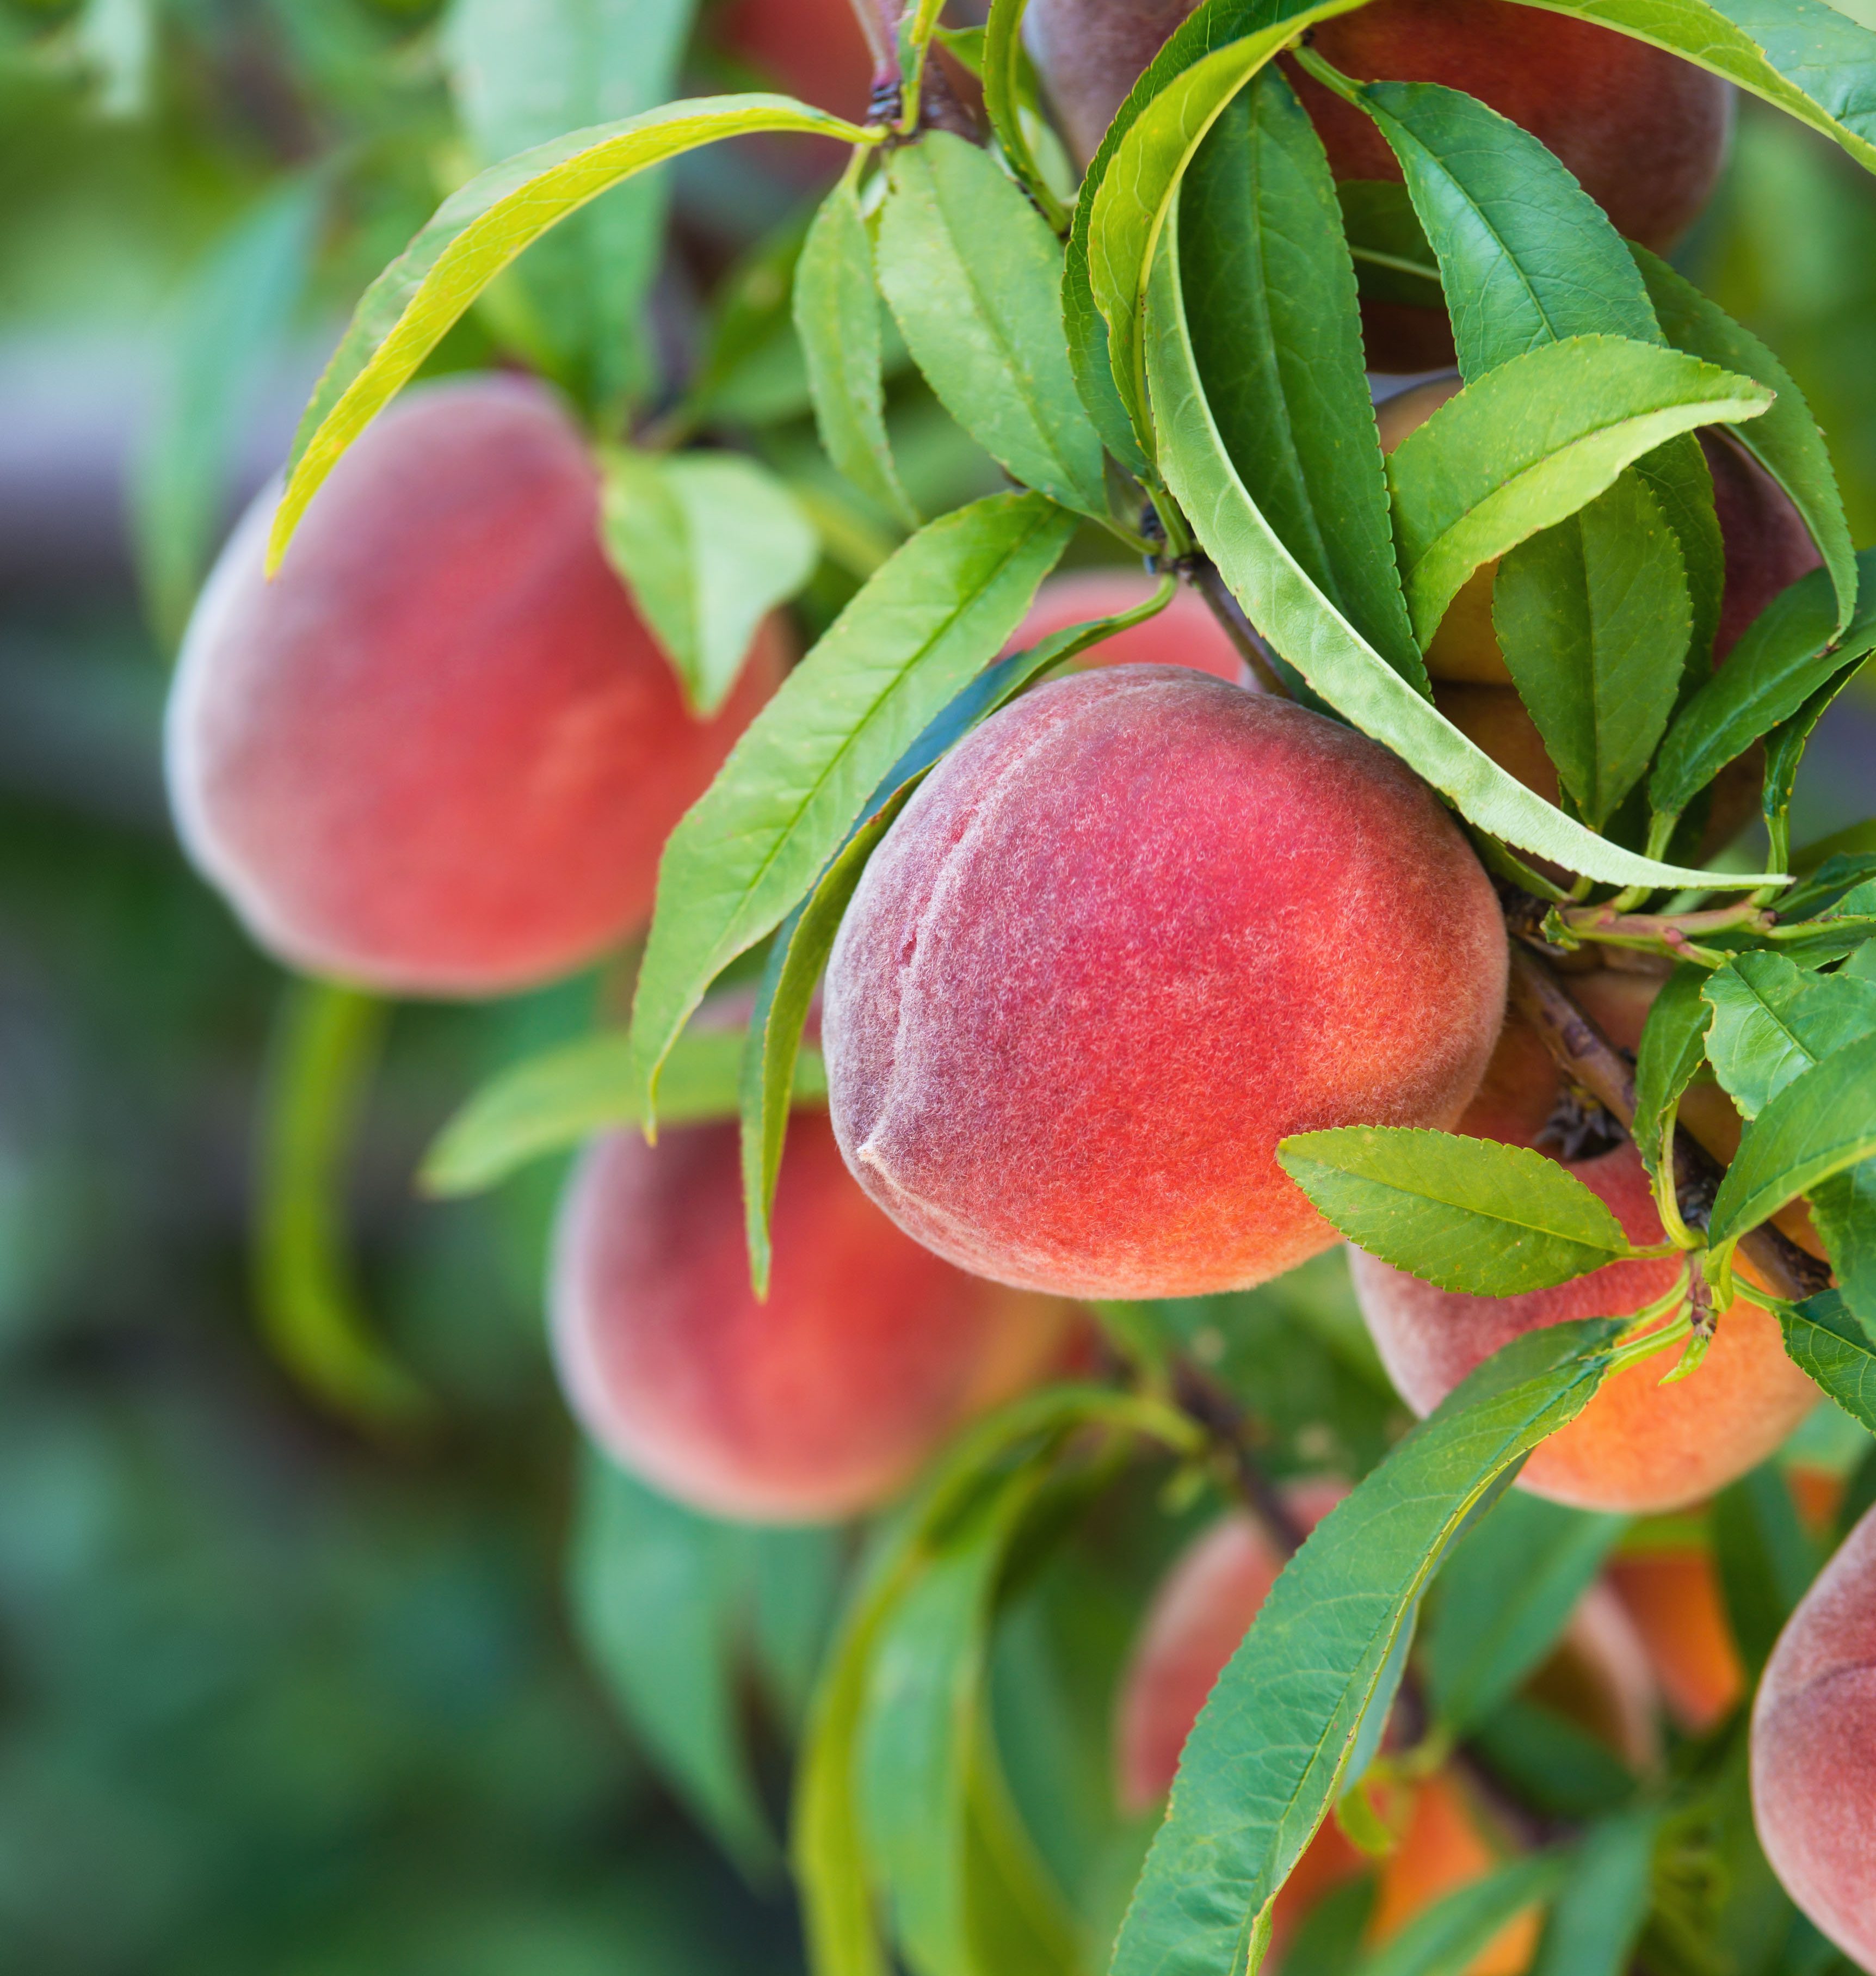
1638	1445
821	1402
1138	927
439	752
1813	1751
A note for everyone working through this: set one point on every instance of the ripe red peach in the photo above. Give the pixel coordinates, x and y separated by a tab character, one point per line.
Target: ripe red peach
1813	1751
812	49
1638	1446
439	753
821	1402
1138	927
1184	633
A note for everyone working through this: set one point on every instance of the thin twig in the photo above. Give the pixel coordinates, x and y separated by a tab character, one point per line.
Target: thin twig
1202	1398
1207	580
1587	1056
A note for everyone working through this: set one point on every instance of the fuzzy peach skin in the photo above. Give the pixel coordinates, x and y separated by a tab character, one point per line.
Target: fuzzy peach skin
821	1403
1638	1446
439	753
1813	1751
1184	633
1138	927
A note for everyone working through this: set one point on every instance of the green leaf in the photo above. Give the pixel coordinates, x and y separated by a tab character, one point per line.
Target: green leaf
1534	440
1526	257
1552	1764
527	72
1314	637
1394	262
477	232
1766	1560
1018	1921
709	543
1446	1938
1679	478
1271	312
1503	1596
1007	85
1673	1047
1826	1342
1600	1909
1791	650
325	1052
1820	1123
1267	1756
1594	617
658	1595
1844	1209
751	370
1808	59
1784	750
973	276
1140	177
1468	1214
1328	1941
549	1102
1772	1021
795	783
804	940
798	1570
1786	441
836	316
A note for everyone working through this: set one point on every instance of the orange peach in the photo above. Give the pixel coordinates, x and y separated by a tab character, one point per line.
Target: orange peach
1673	1599
439	753
1139	927
821	1403
1813	1751
1638	1445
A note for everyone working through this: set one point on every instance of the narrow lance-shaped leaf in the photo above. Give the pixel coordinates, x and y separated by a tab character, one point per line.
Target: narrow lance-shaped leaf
973	276
1791	650
1786	441
1267	1756
1004	64
1819	1124
1533	441
550	1102
1468	1214
1826	1342
1773	1020
478	232
1784	750
836	316
1272	302
796	782
1289	609
1448	1937
1674	1045
1602	1904
709	543
804	939
1764	1559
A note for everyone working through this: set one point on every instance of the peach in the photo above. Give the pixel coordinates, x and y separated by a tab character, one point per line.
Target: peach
821	1403
1444	1848
1638	1445
1184	633
1673	1599
439	752
812	49
1138	927
1813	1751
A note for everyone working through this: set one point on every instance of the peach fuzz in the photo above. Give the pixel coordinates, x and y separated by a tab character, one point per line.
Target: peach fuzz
1638	1446
1813	1751
821	1403
1184	633
439	752
1141	926
1673	1599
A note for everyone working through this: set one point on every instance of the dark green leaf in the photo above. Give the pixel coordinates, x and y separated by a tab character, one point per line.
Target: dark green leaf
797	1581
1766	1560
1552	1764
1673	1047
974	276
1786	441
1503	1596
1844	1209
1394	262
709	543
1600	1910
1594	617
1446	1938
658	1595
1270	297
1468	1214
1268	1756
796	782
1679	478
1790	652
1007	85
1312	635
1825	1340
1785	749
1822	1123
1772	1021
836	316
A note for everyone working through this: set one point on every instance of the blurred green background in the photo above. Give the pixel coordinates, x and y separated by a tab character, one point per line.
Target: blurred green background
276	1695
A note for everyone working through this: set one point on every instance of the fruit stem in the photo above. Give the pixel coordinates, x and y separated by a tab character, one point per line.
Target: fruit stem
1206	580
1673	934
